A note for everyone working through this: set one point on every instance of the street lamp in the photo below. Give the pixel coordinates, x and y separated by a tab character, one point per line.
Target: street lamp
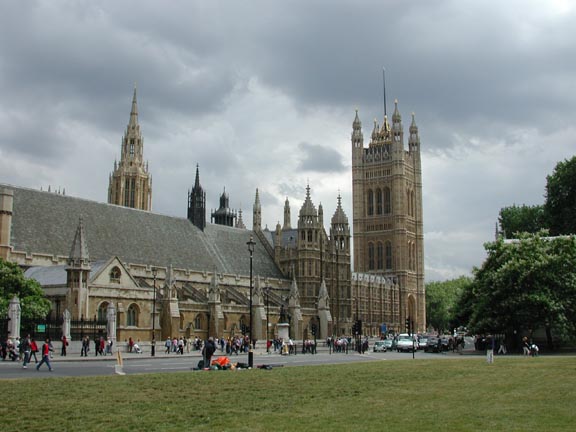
267	290
153	349
251	243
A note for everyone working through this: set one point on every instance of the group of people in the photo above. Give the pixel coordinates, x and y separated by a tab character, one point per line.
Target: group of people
23	349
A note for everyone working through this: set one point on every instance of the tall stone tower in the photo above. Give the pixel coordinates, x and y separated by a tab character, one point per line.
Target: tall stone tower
197	203
131	184
387	211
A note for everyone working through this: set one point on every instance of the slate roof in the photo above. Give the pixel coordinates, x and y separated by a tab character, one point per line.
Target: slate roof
289	238
56	275
45	222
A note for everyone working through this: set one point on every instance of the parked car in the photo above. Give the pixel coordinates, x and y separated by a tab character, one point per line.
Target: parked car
405	343
390	344
379	346
422	342
432	344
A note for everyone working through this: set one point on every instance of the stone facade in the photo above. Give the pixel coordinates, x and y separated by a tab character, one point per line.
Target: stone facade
183	277
388	225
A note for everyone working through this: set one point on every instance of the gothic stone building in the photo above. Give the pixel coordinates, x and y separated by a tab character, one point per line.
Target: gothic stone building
388	283
182	276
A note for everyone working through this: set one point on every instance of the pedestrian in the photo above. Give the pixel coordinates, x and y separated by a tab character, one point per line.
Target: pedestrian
33	350
208	351
46	349
167	345
64	345
502	349
26	349
490	349
85	347
525	346
96	346
130	344
109	344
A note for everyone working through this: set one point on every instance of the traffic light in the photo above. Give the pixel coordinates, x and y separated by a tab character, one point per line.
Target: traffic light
243	329
313	329
408	325
355	328
359	326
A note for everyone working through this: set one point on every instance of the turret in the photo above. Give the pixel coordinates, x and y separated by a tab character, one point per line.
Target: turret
197	203
287	224
414	140
78	272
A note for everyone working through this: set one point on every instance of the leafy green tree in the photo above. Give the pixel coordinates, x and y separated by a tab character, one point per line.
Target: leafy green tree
525	285
441	301
519	219
13	283
561	198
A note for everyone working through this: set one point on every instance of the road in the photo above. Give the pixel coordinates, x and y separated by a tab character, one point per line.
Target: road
142	364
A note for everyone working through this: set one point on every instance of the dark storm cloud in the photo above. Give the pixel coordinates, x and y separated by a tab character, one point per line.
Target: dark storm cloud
233	85
319	159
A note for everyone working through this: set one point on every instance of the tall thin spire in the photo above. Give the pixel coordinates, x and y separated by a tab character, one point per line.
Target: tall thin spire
384	89
134	110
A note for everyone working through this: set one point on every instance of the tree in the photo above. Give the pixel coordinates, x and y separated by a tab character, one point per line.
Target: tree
561	198
441	301
519	219
13	283
525	285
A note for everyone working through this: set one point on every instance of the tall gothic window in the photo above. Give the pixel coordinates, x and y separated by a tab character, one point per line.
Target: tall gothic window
132	316
102	311
370	202
370	256
380	256
378	201
388	255
387	201
131	146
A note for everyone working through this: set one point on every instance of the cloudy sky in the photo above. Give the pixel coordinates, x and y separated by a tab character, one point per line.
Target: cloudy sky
262	95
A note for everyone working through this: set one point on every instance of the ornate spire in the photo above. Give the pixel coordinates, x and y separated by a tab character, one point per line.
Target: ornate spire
308	208
287	224
339	215
79	251
197	203
257	213
134	110
239	221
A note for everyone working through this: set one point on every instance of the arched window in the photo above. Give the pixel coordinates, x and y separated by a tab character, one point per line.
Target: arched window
370	202
378	201
380	256
197	322
102	311
310	236
388	255
387	201
115	274
370	256
132	316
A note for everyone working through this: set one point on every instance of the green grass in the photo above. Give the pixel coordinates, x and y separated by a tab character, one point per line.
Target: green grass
514	394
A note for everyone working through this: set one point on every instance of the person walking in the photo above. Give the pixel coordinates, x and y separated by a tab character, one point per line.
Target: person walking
45	355
33	350
26	349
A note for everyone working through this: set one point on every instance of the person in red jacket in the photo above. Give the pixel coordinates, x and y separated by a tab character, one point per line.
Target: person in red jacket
45	355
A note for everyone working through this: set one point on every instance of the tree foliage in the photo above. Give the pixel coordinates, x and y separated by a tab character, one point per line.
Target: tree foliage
33	304
441	301
520	219
561	198
525	285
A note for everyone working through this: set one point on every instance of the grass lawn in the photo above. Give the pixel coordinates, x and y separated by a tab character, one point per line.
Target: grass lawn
454	394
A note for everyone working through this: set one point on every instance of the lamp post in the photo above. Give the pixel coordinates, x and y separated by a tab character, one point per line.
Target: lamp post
267	289
153	348
251	243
